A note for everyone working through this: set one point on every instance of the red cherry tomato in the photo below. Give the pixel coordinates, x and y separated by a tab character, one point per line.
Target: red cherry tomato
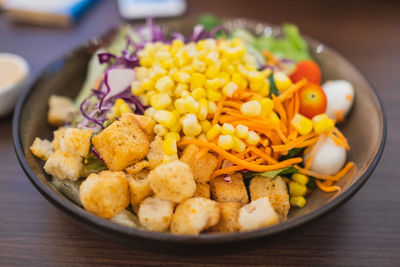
307	69
312	100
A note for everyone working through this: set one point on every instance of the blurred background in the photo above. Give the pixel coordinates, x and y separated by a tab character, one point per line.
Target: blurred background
367	32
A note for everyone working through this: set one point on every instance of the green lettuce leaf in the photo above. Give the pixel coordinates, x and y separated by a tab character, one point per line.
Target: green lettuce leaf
271	174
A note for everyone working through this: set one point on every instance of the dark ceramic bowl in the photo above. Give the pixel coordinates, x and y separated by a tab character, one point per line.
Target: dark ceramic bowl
365	129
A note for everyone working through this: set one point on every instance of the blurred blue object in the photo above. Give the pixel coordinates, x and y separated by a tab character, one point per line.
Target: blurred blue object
136	9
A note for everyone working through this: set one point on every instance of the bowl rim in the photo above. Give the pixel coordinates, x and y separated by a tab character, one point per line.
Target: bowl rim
122	232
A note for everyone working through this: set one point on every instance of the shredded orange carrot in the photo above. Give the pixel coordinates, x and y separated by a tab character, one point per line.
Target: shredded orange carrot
278	107
328	189
296	103
339	134
218	111
338	141
201	153
233	104
343	171
262	154
270	57
293	89
287	147
334	178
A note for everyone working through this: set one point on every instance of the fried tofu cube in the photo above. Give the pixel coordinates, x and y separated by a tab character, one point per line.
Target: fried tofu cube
228	218
41	148
203	166
194	216
64	165
61	110
202	190
275	189
146	123
233	191
156	152
139	188
122	144
72	140
156	214
259	213
138	167
172	181
105	194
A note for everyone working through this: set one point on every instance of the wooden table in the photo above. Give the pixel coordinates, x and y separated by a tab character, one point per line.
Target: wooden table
365	231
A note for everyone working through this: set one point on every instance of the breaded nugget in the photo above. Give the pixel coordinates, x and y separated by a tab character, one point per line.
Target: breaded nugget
156	153
41	148
172	181
133	169
259	213
275	189
72	140
122	144
146	123
233	191
61	110
194	216
64	165
202	167
139	189
202	190
156	214
228	218
105	194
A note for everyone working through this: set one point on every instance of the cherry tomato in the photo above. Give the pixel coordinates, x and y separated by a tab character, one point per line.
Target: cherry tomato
307	69
312	100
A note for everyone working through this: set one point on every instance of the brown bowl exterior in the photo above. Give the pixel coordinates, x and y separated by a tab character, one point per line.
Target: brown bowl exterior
365	129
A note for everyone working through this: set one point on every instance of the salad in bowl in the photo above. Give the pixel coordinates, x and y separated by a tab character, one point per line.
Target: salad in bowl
221	131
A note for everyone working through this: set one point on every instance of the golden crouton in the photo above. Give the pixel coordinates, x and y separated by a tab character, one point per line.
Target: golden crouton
133	169
72	140
64	165
233	191
121	144
105	194
228	218
202	190
194	216
61	110
202	167
156	152
41	148
156	214
275	189
259	213
139	189
146	123
172	181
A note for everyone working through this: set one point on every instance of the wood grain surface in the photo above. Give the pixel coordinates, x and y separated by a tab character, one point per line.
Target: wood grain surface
363	232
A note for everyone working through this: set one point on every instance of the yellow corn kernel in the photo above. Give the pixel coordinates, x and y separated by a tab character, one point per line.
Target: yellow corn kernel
177	127
296	189
197	80
160	101
231	53
242	70
203	108
150	112
213	95
211	58
169	146
146	62
143	99
159	71
180	105
253	138
177	45
227	128
273	117
141	73
164	84
180	88
147	84
230	69
167	64
162	55
185	94
267	105
239	80
238	145
167	159
223	77
160	130
255	76
213	70
199	66
242	131
302	124
225	141
298	201
150	48
136	88
181	58
165	118
251	108
212	107
213	132
188	69
264	91
282	81
229	89
198	93
256	86
202	137
266	72
300	178
181	77
191	105
322	123
190	126
212	84
205	126
125	108
172	71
